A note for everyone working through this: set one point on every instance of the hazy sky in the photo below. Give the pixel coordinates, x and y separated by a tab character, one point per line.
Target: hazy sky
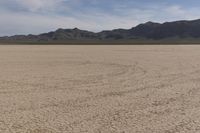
37	16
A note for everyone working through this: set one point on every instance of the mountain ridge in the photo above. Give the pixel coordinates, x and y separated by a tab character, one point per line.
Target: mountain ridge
149	31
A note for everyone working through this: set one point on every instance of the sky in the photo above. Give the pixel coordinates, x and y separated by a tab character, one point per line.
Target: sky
39	16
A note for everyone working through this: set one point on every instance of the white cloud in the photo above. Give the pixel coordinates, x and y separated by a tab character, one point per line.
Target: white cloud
42	16
177	12
35	5
24	23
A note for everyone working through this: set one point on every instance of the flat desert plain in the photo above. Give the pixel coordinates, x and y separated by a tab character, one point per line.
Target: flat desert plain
99	89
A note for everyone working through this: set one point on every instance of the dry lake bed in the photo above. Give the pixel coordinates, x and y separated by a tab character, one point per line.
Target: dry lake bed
99	89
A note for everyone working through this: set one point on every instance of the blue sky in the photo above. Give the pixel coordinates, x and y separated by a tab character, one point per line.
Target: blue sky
38	16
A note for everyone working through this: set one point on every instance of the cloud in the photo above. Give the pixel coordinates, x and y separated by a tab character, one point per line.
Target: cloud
38	16
25	23
175	10
178	12
39	5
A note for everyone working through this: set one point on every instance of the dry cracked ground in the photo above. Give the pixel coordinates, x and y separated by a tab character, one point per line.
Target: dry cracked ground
99	89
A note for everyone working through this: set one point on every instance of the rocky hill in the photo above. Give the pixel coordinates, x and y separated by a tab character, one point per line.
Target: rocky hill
149	30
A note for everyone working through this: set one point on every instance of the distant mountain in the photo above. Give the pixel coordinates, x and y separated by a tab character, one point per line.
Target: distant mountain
147	31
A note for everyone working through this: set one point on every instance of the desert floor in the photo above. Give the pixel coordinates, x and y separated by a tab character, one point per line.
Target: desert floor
99	89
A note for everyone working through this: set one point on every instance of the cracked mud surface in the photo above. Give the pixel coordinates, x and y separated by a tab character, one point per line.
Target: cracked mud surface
99	89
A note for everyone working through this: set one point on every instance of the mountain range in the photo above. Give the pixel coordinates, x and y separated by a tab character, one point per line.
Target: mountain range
147	31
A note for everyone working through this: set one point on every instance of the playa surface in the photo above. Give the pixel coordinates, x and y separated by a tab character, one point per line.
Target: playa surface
99	89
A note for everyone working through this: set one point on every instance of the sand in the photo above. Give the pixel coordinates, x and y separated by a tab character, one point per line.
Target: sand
99	89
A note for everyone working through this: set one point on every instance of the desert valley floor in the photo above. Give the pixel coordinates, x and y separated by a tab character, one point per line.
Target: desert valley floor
99	89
